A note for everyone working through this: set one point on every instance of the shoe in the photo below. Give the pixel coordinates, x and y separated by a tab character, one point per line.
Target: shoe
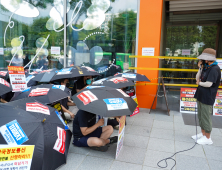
113	139
116	127
196	137
101	148
204	141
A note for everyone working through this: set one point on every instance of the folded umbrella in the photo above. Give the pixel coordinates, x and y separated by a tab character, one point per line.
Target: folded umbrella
38	125
45	75
5	87
76	71
114	82
133	76
45	93
104	101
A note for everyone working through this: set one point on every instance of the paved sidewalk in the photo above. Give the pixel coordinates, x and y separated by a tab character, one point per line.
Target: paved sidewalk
148	139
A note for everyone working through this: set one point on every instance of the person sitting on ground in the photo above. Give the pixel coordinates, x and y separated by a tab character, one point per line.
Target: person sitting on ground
2	100
82	83
88	133
65	103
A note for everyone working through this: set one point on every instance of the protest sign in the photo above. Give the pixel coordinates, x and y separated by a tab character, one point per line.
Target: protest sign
122	123
37	107
187	100
60	142
17	78
16	157
13	133
217	108
115	103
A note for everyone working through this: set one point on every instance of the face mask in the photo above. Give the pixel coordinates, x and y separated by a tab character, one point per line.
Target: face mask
67	85
88	81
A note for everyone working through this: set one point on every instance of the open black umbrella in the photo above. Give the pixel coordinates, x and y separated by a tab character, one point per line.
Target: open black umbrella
104	101
75	71
4	74
45	93
45	75
5	87
133	76
114	82
39	126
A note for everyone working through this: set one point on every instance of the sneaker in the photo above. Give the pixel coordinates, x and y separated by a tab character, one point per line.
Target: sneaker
113	139
116	127
196	137
204	141
101	148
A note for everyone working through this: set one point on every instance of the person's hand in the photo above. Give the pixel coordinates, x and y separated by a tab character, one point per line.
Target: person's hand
197	82
200	63
72	115
100	122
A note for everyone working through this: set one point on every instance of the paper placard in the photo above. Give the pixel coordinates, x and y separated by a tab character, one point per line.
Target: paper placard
122	123
1	51
117	80
3	73
2	81
55	50
185	51
187	100
217	108
146	51
16	157
13	133
127	75
87	97
64	71
37	107
123	93
115	104
39	92
60	142
17	78
61	87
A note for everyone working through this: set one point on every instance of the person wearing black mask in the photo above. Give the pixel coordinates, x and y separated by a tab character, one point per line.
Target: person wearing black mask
208	81
82	83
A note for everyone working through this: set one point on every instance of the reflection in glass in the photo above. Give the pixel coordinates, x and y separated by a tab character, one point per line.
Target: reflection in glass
21	8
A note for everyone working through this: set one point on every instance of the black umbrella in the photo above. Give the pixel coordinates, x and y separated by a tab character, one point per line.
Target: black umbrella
75	71
29	80
114	82
4	74
104	101
5	87
45	75
133	76
40	129
49	93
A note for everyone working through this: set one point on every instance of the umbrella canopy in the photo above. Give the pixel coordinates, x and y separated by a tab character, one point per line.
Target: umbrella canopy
5	87
72	72
45	75
44	135
133	76
114	82
104	101
4	74
45	93
29	80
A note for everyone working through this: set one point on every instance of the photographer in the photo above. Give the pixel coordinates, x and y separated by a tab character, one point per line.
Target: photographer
208	80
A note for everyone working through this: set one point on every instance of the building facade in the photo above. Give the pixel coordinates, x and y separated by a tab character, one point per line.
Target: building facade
105	33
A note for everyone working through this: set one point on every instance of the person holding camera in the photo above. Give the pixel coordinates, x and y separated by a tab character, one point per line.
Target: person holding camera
208	81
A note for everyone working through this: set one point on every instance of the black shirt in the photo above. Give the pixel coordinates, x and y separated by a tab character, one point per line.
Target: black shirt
206	95
82	119
79	84
64	102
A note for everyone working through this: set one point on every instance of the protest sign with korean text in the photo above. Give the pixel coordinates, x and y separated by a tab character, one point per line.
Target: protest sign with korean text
16	157
37	107
217	108
60	142
187	100
115	103
122	123
87	97
17	78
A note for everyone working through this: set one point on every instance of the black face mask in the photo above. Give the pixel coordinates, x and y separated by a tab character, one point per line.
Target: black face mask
67	85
